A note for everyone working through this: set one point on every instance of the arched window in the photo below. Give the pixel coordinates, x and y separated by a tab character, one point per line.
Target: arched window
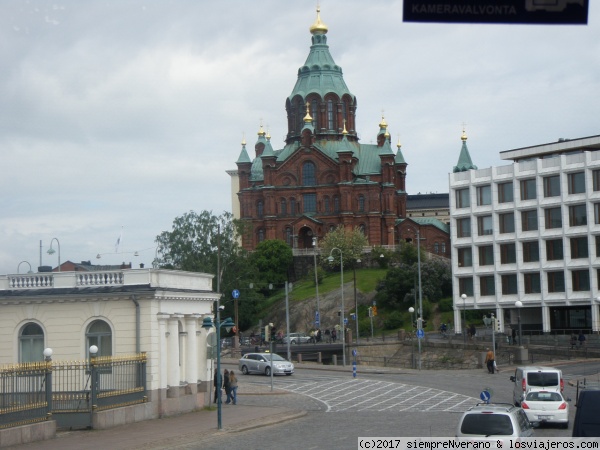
443	248
361	203
283	207
330	122
261	235
314	107
308	174
336	204
326	205
363	229
293	206
300	117
345	112
331	228
259	209
31	343
288	236
100	335
436	247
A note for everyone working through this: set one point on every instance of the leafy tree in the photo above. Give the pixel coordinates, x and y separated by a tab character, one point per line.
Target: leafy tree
272	259
350	242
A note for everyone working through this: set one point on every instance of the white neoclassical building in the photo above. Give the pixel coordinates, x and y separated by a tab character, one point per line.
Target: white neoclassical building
529	232
122	312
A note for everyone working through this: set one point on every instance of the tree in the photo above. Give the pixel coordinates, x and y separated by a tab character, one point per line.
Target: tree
350	242
272	259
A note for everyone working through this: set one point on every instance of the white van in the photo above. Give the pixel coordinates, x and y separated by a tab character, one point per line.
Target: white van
529	378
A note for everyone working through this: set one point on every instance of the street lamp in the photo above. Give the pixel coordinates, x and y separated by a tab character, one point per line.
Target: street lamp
228	324
330	259
519	305
19	266
356	299
464	297
51	251
411	310
318	318
419	322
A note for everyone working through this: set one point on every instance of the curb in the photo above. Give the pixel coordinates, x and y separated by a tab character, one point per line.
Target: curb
265	421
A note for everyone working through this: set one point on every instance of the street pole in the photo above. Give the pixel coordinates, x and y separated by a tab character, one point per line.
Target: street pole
318	321
371	316
342	311
356	301
287	322
419	322
464	325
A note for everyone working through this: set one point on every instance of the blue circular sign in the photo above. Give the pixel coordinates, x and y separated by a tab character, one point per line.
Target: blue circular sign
420	334
235	293
485	396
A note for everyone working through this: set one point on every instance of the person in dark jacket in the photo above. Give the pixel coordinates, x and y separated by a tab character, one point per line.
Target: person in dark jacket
218	385
227	386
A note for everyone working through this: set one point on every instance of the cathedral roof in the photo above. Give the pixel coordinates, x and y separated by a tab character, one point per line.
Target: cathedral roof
464	160
319	74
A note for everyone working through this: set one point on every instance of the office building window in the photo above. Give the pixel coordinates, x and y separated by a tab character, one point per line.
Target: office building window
528	189
505	192
577	215
552	186
597	239
576	183
486	255
596	179
465	286
529	220
532	283
485	225
509	284
507	222
556	281
487	285
581	280
531	251
31	343
553	217
596	213
463	199
310	203
463	227
484	195
579	247
508	253
554	249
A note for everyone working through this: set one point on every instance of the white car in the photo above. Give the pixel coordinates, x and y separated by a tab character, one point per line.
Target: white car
261	363
546	407
297	338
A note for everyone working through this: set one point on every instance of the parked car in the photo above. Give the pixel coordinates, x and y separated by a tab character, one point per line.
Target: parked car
297	338
546	407
491	421
536	378
587	414
261	363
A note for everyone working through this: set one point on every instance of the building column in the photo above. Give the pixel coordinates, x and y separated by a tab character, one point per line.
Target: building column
173	371
204	368
191	357
162	346
595	315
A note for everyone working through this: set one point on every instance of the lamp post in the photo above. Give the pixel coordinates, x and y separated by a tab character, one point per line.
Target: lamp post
411	310
330	259
51	251
419	322
464	324
19	266
207	324
318	321
356	299
519	305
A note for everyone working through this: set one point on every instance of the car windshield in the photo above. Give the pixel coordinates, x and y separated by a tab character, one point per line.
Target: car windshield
487	425
544	397
542	379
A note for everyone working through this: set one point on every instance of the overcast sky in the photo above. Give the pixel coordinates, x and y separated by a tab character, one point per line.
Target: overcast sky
122	115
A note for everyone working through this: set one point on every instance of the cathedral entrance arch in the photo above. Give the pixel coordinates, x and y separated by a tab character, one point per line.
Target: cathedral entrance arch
305	237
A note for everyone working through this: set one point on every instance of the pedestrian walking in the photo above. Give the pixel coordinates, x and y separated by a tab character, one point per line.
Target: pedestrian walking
581	339
233	385
218	383
333	335
573	341
327	336
514	336
319	335
227	386
489	360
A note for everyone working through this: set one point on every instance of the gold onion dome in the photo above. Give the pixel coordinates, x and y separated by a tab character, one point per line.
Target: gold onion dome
383	123
318	27
398	144
464	136
307	117
261	132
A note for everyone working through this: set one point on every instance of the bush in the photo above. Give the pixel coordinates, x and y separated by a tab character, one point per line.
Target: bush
393	320
446	305
320	275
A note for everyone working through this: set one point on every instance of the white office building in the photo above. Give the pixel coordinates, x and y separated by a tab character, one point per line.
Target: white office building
529	232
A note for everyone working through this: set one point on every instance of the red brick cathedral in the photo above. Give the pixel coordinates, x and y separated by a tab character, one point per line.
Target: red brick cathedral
323	177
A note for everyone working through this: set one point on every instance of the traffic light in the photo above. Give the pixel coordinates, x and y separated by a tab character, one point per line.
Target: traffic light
374	310
497	325
370	312
268	332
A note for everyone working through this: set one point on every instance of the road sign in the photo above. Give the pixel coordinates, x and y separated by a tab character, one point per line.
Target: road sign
354	352
235	293
485	396
345	321
420	334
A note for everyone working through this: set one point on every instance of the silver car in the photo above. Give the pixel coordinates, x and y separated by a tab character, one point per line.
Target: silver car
494	421
297	338
261	363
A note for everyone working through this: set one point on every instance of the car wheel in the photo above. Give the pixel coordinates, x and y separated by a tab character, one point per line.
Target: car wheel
293	342
244	370
268	371
565	425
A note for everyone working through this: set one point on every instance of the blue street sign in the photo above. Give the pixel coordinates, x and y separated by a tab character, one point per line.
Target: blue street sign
354	369
317	318
485	396
345	321
354	352
420	334
235	293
